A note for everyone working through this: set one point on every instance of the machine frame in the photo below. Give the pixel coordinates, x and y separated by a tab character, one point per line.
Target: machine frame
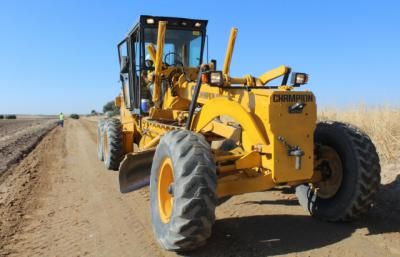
254	169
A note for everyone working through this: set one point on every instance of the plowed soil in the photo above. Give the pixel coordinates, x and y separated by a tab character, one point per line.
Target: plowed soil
19	137
61	201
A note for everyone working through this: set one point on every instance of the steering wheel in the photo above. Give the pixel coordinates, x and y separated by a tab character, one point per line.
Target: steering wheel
176	63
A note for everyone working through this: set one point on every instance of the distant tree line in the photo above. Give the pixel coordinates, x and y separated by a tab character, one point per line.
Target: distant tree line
8	116
110	109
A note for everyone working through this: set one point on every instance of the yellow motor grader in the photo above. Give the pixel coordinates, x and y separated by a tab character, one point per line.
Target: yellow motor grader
198	135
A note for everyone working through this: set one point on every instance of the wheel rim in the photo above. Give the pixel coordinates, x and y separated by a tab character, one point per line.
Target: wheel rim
165	197
105	146
330	166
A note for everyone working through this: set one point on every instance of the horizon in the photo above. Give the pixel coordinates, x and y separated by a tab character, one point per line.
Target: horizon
62	57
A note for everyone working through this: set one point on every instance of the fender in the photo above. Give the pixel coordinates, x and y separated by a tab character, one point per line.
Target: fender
223	107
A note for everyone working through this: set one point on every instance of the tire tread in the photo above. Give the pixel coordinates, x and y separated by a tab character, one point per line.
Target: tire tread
194	191
369	171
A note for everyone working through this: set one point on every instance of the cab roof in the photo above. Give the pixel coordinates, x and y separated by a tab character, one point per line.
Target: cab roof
172	22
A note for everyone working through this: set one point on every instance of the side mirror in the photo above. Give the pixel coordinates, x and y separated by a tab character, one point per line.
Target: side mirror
124	64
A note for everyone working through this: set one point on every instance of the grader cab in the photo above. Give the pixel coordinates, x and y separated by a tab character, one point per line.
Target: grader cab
196	134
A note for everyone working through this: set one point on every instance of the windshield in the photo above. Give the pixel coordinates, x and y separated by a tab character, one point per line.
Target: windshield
182	47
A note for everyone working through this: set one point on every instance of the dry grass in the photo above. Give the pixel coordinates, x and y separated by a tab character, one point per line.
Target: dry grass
382	124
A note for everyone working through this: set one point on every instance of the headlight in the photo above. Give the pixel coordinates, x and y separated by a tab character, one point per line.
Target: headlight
197	24
216	78
299	78
150	21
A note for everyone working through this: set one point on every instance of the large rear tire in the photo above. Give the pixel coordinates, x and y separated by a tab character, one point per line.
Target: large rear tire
183	185
347	156
112	144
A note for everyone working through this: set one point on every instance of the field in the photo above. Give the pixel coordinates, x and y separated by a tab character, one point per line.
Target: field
60	201
382	124
18	137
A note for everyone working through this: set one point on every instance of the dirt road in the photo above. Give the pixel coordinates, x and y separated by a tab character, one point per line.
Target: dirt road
61	201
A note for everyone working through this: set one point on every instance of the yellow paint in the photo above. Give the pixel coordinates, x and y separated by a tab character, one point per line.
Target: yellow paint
129	127
241	184
165	199
248	161
229	51
273	74
220	129
117	101
158	65
152	52
152	143
221	106
224	158
262	161
297	129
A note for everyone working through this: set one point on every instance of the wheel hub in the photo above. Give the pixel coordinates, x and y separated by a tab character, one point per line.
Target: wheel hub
165	190
330	166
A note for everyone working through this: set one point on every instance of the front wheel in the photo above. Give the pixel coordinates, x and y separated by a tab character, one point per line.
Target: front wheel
183	185
349	166
112	144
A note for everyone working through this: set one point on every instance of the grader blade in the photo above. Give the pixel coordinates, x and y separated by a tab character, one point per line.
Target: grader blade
134	171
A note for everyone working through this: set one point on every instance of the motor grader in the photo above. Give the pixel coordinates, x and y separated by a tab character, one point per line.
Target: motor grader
198	135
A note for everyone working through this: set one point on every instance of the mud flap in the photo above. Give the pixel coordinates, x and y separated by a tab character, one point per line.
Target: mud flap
134	171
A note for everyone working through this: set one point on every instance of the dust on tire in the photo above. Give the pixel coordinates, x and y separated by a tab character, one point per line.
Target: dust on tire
112	144
194	192
361	174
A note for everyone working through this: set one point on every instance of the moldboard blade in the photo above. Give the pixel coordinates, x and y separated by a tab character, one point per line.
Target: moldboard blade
134	171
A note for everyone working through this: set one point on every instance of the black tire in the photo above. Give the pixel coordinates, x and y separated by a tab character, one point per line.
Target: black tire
361	174
100	140
112	144
194	191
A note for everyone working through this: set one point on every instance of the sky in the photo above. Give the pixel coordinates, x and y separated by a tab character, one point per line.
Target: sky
60	56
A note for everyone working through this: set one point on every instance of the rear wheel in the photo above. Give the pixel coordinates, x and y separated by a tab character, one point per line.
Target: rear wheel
183	191
349	166
112	142
100	140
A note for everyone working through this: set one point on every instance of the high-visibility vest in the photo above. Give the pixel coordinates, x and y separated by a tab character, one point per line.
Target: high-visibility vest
61	116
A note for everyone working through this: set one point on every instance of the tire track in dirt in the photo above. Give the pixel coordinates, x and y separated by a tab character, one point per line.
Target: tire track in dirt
82	212
19	189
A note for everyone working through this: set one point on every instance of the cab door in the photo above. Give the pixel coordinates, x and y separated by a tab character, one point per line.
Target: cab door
129	59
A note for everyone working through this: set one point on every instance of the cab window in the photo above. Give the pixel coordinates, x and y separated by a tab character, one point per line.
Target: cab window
182	47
